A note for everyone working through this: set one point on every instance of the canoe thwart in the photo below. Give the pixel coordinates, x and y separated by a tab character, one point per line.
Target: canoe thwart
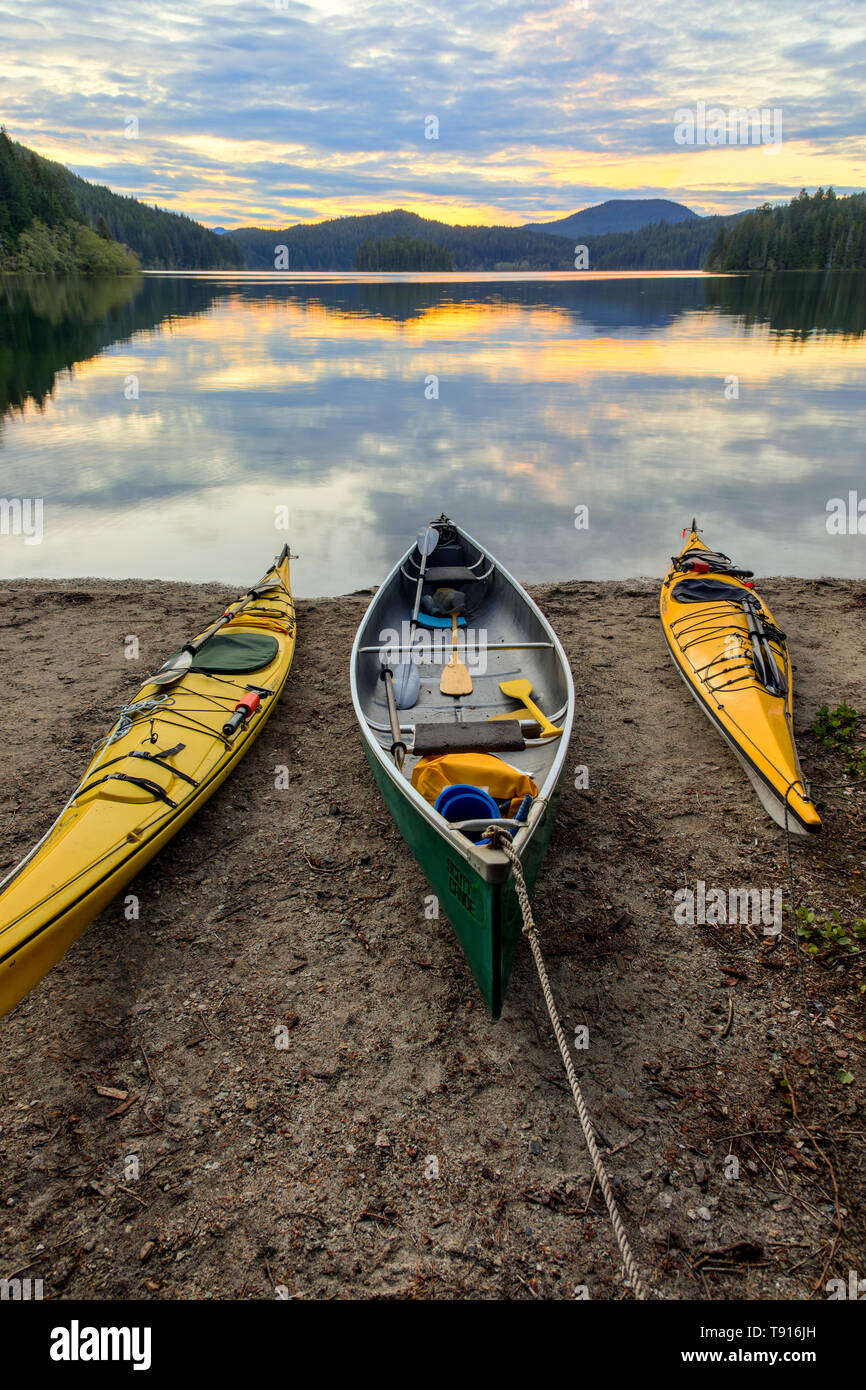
468	738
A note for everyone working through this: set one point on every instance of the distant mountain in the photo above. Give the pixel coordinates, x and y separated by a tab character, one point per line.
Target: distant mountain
616	215
333	245
681	243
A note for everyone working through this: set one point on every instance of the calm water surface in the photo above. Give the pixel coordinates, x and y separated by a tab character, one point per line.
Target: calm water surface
167	423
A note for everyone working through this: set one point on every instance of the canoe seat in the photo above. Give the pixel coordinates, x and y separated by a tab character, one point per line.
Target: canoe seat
451	574
504	736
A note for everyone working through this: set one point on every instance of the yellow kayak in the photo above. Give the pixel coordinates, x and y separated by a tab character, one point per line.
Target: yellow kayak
170	749
734	660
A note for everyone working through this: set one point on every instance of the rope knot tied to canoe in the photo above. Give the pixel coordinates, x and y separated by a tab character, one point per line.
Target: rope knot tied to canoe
500	839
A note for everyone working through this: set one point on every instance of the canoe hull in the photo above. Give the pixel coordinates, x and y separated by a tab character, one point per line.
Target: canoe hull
509	643
485	917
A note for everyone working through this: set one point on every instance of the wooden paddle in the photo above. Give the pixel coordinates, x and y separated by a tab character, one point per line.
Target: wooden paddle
455	679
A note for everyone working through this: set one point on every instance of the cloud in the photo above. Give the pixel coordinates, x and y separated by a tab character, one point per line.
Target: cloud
272	112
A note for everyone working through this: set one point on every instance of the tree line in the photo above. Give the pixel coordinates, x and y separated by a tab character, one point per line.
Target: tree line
817	231
334	244
403	253
52	221
659	246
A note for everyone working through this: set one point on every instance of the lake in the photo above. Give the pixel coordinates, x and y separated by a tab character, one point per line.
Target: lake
166	426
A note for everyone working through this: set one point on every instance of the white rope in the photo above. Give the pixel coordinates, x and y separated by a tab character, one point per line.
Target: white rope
127	717
503	841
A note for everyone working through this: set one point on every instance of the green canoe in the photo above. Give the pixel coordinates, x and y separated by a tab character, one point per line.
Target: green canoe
504	637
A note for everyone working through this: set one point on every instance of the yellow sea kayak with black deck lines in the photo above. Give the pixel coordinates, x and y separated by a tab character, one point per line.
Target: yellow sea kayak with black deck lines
734	659
171	747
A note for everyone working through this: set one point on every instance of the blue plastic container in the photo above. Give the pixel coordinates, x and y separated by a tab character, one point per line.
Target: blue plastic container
465	802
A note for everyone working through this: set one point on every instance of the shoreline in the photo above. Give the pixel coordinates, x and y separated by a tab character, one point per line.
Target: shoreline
96	585
309	1166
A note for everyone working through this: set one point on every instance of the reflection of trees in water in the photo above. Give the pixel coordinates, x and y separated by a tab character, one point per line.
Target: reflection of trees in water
602	304
48	325
798	302
795	302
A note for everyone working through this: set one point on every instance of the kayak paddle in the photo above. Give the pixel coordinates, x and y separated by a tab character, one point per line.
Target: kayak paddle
178	665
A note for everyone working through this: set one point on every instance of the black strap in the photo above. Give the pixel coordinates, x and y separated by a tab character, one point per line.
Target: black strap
158	758
154	758
153	787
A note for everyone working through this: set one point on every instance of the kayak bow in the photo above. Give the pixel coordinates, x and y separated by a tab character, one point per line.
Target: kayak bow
165	756
734	659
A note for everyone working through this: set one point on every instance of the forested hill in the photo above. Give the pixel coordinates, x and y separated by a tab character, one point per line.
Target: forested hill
663	246
161	240
41	228
813	232
53	221
333	245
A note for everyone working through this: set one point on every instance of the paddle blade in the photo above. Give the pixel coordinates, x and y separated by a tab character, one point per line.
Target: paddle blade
522	690
407	684
455	679
172	670
428	539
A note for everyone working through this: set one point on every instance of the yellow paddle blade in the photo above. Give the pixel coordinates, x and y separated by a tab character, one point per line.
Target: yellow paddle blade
521	690
455	679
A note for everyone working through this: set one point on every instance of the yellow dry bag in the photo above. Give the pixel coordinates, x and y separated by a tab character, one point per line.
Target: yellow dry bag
498	778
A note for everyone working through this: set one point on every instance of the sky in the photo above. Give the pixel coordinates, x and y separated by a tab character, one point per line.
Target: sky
271	112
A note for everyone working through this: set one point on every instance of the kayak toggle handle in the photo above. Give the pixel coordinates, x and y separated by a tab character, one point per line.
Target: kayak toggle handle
246	705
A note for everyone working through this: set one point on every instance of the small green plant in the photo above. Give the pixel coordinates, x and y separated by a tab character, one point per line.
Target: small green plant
829	933
840	729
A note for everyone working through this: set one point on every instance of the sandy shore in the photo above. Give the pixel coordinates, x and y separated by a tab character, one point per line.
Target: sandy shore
310	1169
